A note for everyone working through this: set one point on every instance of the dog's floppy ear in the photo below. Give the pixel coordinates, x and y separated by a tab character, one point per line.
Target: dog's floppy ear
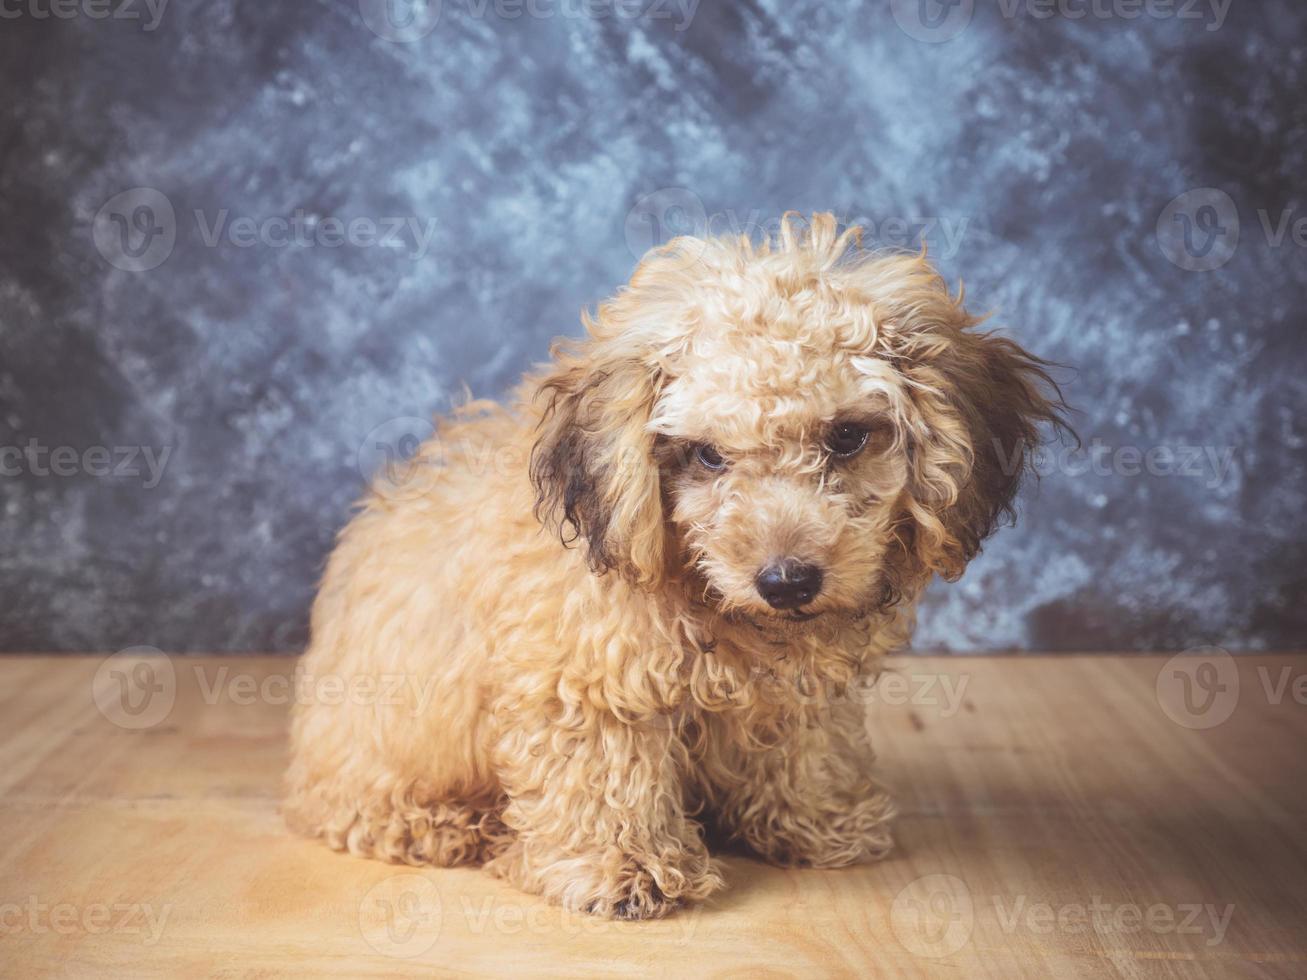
593	463
1003	396
983	403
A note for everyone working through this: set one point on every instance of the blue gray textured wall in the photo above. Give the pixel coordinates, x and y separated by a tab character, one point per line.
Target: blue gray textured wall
199	330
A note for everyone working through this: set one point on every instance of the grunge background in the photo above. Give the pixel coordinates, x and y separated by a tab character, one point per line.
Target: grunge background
254	242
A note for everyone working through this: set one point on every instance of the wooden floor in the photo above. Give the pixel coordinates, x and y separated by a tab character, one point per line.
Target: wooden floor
1067	817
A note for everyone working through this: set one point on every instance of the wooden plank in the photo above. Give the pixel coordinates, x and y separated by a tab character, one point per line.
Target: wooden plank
1057	820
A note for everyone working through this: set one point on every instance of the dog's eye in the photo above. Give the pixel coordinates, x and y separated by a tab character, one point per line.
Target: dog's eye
709	456
847	439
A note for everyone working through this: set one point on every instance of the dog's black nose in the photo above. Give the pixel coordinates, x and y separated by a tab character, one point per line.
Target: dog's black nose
789	584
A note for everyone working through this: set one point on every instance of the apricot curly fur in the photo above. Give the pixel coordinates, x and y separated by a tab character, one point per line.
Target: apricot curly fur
561	596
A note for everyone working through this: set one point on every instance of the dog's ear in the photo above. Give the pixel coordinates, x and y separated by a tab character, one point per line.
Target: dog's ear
593	463
984	406
1005	399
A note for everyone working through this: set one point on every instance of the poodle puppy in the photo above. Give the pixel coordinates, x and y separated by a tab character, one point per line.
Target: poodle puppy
625	614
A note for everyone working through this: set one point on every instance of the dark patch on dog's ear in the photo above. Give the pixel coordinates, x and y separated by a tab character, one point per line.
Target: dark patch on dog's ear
593	464
1004	396
569	494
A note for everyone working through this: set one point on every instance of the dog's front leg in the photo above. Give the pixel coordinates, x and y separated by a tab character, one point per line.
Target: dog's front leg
597	805
806	800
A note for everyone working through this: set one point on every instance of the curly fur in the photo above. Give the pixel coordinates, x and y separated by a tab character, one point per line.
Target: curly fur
577	589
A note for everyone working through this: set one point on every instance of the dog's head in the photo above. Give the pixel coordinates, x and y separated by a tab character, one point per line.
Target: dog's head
798	430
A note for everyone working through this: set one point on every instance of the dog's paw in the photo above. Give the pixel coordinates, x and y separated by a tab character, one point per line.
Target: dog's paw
826	838
640	899
610	884
645	891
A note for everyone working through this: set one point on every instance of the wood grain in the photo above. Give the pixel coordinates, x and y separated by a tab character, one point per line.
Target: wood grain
1056	821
